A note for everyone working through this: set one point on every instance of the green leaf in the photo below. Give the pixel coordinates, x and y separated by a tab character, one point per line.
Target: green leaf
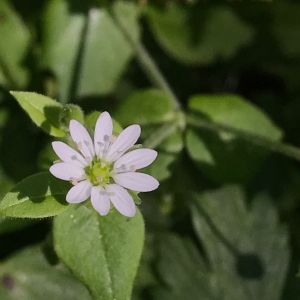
29	276
218	33
103	252
236	112
247	248
68	113
38	196
145	107
13	47
84	47
43	111
224	156
182	270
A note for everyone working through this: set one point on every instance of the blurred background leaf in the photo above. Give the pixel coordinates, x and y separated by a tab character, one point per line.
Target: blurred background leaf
28	275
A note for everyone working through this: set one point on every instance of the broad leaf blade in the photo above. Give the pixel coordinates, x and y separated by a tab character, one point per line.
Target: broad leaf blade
182	270
247	249
13	47
38	196
43	111
29	276
84	47
223	156
103	252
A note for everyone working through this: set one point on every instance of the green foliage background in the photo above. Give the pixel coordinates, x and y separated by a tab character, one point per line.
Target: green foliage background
215	87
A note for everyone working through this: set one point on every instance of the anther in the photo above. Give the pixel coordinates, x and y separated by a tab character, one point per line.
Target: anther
132	168
112	139
74	180
79	146
99	178
100	144
74	157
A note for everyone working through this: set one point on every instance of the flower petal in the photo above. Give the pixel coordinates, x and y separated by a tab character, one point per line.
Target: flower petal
125	140
104	127
82	139
67	171
135	181
68	154
79	192
138	158
100	200
121	199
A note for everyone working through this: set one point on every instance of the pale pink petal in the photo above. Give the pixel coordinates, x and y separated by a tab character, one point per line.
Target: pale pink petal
82	139
125	140
79	192
135	181
138	158
68	154
66	171
103	131
100	200
121	199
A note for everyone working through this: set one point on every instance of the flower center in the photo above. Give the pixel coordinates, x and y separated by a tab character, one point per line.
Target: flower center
98	173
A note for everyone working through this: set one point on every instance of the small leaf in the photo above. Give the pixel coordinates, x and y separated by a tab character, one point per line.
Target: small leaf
38	196
223	156
145	107
68	113
43	111
29	276
103	252
247	248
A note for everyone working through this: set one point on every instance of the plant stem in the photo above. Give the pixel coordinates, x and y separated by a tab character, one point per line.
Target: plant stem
278	147
146	61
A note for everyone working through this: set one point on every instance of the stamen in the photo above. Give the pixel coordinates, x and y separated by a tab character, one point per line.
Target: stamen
132	168
74	180
79	146
74	157
112	139
57	161
99	178
100	144
110	194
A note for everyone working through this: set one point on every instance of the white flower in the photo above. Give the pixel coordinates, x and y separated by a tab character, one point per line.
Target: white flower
102	171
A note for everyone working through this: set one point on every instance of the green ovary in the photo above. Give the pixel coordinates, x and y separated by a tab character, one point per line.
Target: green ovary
98	173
